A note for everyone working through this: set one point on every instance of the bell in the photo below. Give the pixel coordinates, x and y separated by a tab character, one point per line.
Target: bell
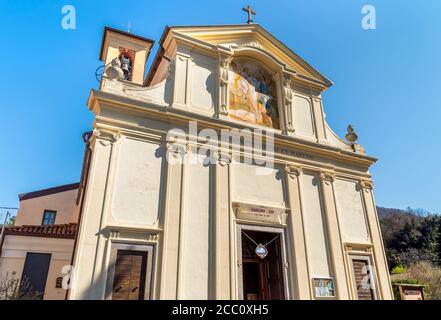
114	71
126	66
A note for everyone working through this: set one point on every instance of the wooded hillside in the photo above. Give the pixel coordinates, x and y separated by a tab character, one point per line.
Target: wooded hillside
410	236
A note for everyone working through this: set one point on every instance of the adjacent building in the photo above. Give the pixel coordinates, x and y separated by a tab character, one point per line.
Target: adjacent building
38	249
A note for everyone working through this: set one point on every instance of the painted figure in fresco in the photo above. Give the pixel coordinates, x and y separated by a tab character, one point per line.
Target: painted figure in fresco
252	95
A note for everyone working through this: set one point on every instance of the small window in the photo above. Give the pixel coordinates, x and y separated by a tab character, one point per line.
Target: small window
59	283
48	217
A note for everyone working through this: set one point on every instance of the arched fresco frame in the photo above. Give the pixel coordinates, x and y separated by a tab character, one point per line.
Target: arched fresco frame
254	91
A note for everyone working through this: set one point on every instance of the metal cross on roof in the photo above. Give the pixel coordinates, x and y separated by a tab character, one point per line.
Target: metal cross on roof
250	12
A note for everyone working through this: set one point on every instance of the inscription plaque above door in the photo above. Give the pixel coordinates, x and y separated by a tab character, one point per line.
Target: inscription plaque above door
260	213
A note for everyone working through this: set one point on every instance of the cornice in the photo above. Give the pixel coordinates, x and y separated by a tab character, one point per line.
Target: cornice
317	80
161	111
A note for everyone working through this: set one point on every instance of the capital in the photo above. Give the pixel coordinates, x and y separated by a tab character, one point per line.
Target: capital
366	184
222	158
293	172
327	177
110	136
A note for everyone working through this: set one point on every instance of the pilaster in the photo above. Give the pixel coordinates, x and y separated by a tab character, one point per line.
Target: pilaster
335	243
88	263
182	80
319	119
300	281
384	285
169	271
221	228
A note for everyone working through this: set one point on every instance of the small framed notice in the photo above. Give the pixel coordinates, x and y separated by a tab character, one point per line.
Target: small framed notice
323	287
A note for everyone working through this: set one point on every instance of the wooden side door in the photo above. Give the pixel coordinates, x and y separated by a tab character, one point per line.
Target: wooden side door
35	271
130	275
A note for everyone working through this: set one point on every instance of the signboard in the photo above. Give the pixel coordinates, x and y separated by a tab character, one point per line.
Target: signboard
411	292
323	287
260	213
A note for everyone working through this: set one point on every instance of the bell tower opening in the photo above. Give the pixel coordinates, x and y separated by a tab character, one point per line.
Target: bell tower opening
262	268
126	54
127	60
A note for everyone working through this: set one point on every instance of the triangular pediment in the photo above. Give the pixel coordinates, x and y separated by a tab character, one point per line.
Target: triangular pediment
236	37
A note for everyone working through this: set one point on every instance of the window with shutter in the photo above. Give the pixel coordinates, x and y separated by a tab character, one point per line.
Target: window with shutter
362	271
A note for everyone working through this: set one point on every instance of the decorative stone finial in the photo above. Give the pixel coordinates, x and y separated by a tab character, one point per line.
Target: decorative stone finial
351	136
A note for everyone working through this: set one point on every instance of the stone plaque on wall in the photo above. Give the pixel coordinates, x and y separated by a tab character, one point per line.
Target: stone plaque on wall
260	213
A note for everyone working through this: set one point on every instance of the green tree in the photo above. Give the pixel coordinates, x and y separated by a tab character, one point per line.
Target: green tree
11	221
410	236
438	245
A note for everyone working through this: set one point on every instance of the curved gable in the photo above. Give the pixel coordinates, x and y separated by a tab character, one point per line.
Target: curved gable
240	37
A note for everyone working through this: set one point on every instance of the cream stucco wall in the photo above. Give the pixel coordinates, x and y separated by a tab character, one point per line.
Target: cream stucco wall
303	116
351	212
195	255
315	231
254	184
137	185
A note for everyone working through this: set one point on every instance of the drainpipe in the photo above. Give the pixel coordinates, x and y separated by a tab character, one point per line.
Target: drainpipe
83	185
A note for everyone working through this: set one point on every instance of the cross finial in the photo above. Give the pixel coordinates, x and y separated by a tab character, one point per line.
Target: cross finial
250	12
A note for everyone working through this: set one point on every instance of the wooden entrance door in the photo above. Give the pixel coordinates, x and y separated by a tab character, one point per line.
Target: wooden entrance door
130	275
34	276
262	278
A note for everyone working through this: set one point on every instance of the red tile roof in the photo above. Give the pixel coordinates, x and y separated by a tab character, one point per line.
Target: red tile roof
67	231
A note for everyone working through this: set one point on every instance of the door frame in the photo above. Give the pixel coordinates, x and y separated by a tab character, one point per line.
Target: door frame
283	249
115	246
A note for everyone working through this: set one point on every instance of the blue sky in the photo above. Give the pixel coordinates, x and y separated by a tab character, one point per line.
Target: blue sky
386	81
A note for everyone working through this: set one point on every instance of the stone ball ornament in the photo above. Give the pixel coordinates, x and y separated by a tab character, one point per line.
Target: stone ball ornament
351	136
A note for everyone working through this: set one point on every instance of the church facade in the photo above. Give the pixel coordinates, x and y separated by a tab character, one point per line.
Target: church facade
216	176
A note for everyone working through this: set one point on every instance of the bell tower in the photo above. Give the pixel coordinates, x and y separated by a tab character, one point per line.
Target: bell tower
126	53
